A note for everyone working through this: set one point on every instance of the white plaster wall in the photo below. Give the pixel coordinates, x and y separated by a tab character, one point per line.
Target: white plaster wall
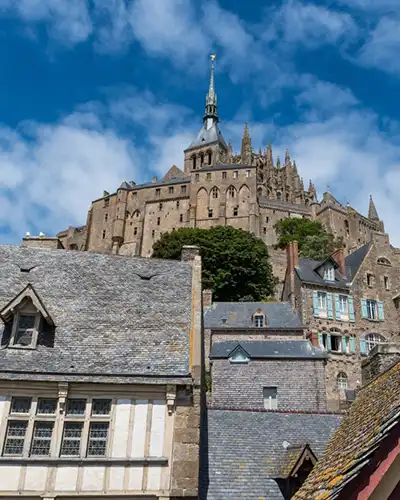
116	478
135	478
121	428
93	478
9	475
139	428
157	429
66	478
35	478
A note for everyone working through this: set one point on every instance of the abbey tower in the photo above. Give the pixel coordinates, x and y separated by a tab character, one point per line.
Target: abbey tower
248	190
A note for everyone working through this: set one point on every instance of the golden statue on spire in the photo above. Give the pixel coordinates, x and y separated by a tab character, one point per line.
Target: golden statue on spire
213	56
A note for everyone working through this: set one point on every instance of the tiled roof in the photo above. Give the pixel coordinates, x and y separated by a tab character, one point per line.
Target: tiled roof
366	424
268	349
240	314
208	136
110	319
246	450
354	260
308	274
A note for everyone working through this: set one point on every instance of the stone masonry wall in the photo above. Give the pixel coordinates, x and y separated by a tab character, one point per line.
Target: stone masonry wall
300	383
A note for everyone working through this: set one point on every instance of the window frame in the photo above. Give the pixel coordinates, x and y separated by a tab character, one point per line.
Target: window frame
329	273
272	401
369	303
373	339
344	315
322	308
15	329
342	381
256	319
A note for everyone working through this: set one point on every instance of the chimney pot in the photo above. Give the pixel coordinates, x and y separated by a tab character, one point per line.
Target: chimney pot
338	257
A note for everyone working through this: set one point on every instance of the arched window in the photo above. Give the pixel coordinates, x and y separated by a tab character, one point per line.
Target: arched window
278	195
194	162
209	157
373	339
201	159
215	192
384	261
231	192
342	381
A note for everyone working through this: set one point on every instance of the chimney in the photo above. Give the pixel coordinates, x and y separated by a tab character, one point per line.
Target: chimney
382	357
338	257
292	251
189	252
207	298
41	241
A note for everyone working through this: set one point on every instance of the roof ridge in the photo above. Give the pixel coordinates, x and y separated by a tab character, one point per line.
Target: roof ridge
263	410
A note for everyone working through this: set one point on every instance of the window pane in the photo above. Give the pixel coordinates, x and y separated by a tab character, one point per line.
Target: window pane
20	405
23	337
71	443
26	321
15	438
97	438
47	406
76	406
101	406
270	398
42	438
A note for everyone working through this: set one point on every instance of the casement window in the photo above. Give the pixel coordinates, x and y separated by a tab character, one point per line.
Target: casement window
344	308
270	396
23	439
25	329
259	320
335	342
372	310
329	273
370	341
342	381
322	305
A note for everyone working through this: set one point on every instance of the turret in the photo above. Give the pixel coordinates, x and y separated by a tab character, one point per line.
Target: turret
246	150
119	222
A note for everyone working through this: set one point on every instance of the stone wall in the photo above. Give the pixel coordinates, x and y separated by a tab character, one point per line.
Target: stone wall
300	383
379	360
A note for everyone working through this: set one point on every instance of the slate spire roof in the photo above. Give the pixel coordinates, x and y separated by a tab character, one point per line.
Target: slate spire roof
372	212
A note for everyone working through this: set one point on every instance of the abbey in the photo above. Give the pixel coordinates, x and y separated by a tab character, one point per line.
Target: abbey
248	190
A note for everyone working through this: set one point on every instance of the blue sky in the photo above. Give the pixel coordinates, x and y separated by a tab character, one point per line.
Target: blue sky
93	92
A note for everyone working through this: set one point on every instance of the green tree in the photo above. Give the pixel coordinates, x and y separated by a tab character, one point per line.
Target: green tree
314	241
235	263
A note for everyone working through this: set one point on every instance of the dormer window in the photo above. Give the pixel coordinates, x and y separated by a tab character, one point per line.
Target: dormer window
259	320
329	273
25	330
239	356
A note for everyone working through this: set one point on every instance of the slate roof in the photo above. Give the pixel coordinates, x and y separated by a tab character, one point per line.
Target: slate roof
109	321
354	260
246	450
307	273
366	424
264	201
204	137
239	315
268	349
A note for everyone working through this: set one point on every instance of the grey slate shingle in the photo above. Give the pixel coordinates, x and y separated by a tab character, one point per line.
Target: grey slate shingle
108	320
245	450
354	260
302	349
307	273
239	315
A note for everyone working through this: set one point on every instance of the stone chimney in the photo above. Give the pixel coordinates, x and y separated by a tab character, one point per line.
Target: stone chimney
207	298
189	252
292	251
382	357
338	257
41	241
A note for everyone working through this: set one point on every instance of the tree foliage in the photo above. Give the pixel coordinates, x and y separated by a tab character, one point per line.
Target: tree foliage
235	263
314	241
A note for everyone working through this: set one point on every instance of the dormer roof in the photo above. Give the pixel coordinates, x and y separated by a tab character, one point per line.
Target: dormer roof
28	293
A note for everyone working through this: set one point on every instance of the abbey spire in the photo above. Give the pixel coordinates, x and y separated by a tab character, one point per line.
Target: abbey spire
211	112
372	212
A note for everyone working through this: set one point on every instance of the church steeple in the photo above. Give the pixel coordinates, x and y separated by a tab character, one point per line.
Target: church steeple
372	212
211	112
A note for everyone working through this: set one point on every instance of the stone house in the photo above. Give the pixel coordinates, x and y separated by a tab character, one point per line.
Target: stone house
99	375
348	304
249	190
362	459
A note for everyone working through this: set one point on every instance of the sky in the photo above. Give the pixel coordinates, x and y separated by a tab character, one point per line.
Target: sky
94	92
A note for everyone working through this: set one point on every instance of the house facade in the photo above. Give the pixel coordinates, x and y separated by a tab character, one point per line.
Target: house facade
100	375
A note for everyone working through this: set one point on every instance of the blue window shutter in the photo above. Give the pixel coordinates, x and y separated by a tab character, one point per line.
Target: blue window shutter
381	314
315	304
352	344
330	307
320	342
364	313
329	343
363	347
337	307
344	344
351	308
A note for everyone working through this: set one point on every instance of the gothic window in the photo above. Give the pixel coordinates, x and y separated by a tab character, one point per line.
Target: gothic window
215	192
342	381
231	192
209	157
194	162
